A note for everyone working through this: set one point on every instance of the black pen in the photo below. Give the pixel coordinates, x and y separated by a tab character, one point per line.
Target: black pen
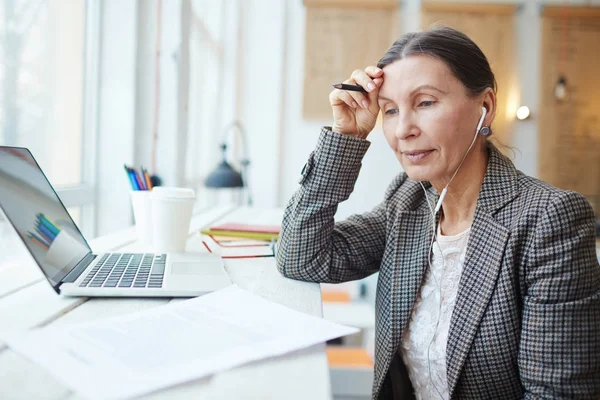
352	88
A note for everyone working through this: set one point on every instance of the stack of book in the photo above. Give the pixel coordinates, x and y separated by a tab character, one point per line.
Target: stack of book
246	231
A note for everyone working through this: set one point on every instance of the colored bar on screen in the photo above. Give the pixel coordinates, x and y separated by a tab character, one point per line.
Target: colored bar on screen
53	229
39	243
36	237
49	220
46	234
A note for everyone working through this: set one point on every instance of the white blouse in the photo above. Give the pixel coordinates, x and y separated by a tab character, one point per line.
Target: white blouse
427	330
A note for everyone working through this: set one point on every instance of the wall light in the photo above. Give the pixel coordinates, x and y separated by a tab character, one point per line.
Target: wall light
560	90
523	113
224	175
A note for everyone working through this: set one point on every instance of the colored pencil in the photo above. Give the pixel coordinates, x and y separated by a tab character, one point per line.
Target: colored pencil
147	178
138	179
132	181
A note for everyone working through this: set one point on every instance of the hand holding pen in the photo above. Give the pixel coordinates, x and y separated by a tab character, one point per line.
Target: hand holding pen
354	102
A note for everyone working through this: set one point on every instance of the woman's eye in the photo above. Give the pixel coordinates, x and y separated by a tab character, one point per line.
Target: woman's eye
426	104
391	111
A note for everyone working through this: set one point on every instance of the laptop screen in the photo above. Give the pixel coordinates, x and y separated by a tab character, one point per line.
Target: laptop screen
31	205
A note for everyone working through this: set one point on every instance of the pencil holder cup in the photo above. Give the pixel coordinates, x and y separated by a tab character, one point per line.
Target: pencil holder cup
142	213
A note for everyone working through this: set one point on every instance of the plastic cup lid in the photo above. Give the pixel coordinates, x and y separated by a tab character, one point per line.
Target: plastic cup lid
175	193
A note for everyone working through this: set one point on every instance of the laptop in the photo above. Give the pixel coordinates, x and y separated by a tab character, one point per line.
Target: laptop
31	205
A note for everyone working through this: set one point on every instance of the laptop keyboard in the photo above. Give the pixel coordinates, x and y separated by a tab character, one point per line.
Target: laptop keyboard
126	270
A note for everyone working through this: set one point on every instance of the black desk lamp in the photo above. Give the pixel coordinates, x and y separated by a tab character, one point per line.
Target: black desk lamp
225	176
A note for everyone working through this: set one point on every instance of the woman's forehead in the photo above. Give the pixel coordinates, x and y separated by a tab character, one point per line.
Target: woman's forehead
403	76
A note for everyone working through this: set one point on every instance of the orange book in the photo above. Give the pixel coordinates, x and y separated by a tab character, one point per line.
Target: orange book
237	227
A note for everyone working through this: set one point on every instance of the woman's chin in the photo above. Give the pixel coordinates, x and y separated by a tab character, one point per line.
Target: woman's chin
418	174
422	172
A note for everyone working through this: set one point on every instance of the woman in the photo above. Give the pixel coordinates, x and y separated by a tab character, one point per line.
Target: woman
492	292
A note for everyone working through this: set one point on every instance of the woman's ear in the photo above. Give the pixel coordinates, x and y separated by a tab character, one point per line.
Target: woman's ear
489	102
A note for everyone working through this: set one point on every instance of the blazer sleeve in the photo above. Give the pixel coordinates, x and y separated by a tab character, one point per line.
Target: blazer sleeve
559	355
312	246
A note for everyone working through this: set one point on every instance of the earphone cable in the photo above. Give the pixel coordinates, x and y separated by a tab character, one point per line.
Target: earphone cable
441	254
438	286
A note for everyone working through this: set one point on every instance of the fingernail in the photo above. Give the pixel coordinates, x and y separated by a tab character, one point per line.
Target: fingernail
377	70
370	86
365	104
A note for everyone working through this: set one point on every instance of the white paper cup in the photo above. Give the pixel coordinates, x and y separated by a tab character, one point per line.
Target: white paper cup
142	213
171	215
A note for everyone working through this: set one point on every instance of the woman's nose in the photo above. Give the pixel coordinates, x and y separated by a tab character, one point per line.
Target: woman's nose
405	127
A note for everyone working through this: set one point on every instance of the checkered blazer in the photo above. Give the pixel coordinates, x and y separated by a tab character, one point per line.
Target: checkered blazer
527	317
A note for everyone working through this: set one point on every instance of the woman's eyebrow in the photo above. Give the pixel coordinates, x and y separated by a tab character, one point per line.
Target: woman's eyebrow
415	90
426	87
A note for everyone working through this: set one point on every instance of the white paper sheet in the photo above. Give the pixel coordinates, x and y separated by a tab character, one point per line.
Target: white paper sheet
138	353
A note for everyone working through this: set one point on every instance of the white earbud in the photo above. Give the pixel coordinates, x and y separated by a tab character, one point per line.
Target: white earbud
483	114
438	205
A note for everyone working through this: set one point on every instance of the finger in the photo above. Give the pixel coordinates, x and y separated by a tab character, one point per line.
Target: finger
373	96
375	93
373	104
361	98
361	78
348	99
374	71
337	97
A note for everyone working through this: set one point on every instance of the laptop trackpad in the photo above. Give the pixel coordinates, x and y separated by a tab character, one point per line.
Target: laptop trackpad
196	268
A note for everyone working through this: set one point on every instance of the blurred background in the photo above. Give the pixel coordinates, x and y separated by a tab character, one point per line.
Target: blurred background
90	85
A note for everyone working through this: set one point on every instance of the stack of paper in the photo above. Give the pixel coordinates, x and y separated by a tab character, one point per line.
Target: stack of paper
138	353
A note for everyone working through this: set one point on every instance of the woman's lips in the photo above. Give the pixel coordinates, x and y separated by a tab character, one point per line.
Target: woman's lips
417	156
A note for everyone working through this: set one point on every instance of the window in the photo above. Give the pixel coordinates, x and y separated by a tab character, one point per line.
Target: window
44	77
206	41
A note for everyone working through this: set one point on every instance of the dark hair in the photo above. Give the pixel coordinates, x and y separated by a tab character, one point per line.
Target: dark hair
462	56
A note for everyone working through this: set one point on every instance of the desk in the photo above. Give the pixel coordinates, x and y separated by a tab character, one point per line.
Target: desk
301	375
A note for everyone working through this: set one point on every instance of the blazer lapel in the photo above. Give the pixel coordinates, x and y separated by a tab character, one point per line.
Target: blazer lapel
480	271
411	231
416	231
483	260
415	227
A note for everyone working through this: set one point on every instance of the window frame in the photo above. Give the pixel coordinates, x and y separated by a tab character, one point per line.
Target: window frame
84	194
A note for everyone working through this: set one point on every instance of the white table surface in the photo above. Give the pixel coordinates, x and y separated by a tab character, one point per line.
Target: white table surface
28	301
